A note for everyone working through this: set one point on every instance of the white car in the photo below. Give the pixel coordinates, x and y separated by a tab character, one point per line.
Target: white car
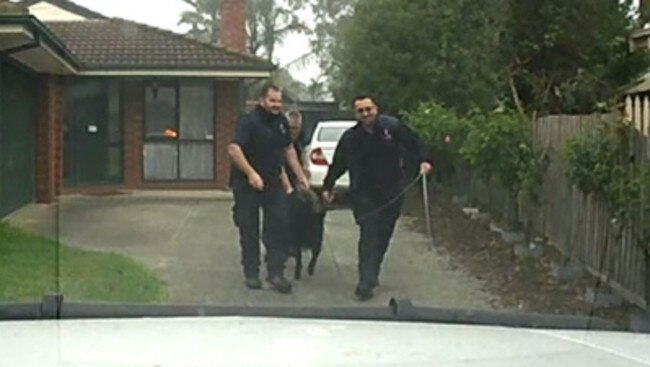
263	341
318	155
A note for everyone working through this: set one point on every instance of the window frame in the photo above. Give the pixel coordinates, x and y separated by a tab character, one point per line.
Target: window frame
179	140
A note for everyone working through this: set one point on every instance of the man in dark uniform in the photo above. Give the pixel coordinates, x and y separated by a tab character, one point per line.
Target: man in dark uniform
294	118
259	149
371	152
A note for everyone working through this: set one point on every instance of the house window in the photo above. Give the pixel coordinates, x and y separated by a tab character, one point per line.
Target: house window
179	132
161	112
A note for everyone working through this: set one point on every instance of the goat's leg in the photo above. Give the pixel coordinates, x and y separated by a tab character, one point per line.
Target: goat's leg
319	226
312	262
297	274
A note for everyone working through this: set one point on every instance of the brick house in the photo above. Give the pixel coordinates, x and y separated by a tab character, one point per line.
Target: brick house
90	102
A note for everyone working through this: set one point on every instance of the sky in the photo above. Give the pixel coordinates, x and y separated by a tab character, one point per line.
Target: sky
165	14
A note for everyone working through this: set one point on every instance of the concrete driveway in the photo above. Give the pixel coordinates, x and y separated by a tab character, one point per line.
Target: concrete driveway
189	241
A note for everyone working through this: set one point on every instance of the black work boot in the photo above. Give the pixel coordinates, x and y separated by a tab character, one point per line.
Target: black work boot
253	283
364	291
279	283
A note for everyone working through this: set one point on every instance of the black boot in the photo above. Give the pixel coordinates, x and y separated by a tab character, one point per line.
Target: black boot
279	283
364	291
253	283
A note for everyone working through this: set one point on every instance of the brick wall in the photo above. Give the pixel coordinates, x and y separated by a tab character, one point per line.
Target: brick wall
133	119
233	25
49	138
227	114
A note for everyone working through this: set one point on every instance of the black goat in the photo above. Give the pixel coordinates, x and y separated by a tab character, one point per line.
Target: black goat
306	222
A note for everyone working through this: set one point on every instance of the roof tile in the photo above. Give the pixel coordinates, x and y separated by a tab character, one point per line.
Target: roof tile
117	44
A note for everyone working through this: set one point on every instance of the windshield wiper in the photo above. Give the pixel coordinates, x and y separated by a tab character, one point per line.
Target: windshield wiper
53	307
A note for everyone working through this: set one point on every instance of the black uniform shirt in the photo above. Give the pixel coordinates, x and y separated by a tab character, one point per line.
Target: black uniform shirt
263	137
374	160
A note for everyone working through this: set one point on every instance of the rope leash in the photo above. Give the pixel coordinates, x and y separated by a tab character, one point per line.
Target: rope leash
427	212
425	198
397	197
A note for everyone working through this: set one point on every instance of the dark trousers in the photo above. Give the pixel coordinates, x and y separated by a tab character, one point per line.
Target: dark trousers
246	214
376	229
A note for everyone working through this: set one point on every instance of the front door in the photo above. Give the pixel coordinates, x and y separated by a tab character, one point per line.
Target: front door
92	133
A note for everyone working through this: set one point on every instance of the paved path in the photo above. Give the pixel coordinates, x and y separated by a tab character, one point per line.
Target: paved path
189	241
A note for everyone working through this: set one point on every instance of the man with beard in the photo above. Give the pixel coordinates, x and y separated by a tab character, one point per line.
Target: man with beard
259	149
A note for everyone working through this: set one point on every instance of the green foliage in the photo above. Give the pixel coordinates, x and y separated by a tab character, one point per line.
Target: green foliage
405	52
499	145
444	131
569	56
495	144
599	161
8	7
551	56
442	128
591	160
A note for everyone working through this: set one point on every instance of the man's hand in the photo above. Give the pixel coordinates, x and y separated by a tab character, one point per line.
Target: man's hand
287	188
304	182
255	180
286	184
296	167
425	168
328	197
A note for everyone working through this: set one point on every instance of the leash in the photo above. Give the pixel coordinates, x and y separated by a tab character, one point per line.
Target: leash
427	211
397	197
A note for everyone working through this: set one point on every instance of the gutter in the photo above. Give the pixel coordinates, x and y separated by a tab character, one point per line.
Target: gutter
177	73
42	37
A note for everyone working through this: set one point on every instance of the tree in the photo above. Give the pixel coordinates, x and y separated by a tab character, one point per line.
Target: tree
404	52
551	56
643	13
281	77
316	89
568	56
326	16
203	20
269	22
10	7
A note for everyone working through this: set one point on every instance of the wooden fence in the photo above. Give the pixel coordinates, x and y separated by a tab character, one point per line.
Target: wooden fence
637	110
579	225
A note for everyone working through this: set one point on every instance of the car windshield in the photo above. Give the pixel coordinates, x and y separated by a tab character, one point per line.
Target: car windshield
496	157
331	134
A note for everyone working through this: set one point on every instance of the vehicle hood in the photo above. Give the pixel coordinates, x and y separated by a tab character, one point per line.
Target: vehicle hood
256	341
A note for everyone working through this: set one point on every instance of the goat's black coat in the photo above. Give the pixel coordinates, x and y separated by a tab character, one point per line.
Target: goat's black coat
306	222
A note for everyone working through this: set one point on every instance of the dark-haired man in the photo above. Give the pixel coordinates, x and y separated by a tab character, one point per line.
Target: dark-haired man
259	150
371	152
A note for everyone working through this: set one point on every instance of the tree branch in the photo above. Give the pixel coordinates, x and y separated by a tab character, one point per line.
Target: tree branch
515	93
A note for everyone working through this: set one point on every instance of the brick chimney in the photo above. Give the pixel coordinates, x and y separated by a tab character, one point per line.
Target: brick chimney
233	25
